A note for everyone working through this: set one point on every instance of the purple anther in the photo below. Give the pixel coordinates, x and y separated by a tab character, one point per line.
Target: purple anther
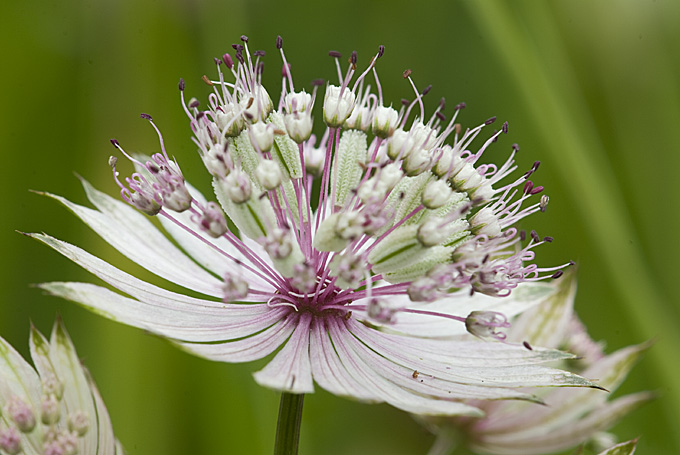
572	262
490	121
181	84
442	103
381	50
504	128
459	106
406	74
260	68
244	38
527	345
194	103
535	166
353	58
317	82
522	235
239	56
427	90
226	58
528	186
515	147
115	143
145	116
534	236
405	102
495	137
259	53
548	239
217	61
279	42
537	190
440	115
335	54
557	274
285	70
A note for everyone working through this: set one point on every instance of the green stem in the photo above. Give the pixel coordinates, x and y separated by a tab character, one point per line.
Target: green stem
288	427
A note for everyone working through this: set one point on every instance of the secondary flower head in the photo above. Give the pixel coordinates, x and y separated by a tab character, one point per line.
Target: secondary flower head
404	215
54	409
570	416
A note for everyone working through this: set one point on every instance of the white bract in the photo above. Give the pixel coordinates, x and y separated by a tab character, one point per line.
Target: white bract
569	417
354	289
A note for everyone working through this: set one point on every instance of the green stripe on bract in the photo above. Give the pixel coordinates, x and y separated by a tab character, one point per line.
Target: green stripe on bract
351	154
285	151
397	250
435	255
252	218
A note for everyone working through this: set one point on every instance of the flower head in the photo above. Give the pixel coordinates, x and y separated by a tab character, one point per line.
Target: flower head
54	409
570	416
405	215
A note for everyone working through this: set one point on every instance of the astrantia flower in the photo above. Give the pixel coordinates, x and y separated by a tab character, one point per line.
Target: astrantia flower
570	416
405	216
54	409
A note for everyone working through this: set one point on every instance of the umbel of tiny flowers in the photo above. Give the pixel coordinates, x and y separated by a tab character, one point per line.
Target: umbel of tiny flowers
570	416
54	409
360	288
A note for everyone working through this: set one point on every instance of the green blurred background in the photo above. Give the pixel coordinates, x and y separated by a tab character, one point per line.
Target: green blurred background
589	88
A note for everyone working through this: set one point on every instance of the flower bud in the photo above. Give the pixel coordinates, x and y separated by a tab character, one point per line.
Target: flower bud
212	220
485	222
257	105
262	136
338	105
237	186
49	410
436	194
423	289
21	414
297	102
217	160
384	121
268	174
380	312
234	288
79	422
484	324
298	126
10	441
229	120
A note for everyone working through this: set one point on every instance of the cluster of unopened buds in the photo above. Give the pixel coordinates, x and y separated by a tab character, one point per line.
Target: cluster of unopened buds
404	206
59	436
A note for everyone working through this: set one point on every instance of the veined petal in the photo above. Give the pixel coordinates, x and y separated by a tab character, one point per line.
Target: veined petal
180	323
246	349
567	405
329	371
134	236
536	440
291	370
119	279
386	390
547	323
